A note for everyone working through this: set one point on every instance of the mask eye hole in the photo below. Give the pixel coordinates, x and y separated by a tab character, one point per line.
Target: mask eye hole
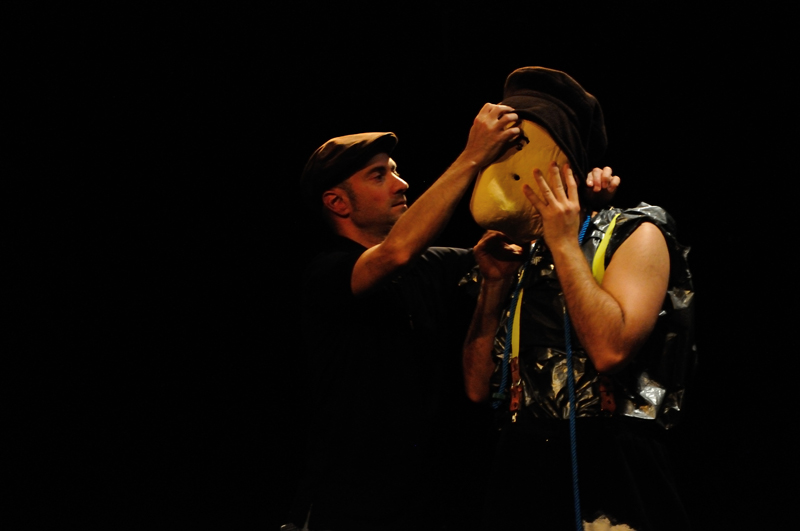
522	141
516	177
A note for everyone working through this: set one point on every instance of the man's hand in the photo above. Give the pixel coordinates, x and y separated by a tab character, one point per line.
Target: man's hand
560	209
601	186
493	129
497	256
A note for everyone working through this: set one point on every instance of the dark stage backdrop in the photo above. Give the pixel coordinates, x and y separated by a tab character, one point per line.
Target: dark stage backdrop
158	249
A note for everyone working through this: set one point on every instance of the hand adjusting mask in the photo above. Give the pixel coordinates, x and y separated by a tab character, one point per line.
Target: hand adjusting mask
560	122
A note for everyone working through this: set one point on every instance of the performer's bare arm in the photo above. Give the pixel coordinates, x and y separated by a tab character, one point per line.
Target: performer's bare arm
612	320
498	260
493	128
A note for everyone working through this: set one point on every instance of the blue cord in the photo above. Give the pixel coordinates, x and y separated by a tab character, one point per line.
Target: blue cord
501	394
573	439
583	230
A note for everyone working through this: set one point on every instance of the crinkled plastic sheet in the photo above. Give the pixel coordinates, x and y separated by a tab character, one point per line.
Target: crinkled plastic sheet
654	385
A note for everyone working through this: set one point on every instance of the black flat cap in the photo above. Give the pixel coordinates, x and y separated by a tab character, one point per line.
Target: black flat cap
340	157
557	102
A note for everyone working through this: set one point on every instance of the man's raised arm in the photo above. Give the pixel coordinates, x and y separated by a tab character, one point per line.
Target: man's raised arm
493	128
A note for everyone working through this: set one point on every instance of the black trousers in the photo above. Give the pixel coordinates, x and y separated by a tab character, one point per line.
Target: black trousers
623	472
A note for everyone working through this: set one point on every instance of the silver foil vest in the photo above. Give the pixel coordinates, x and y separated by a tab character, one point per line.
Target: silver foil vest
653	385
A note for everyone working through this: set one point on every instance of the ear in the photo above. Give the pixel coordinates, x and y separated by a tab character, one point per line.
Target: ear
336	201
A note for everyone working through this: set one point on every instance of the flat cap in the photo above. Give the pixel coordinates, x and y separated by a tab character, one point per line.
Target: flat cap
340	157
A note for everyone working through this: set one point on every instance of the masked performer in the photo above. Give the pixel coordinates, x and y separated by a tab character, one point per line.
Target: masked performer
583	349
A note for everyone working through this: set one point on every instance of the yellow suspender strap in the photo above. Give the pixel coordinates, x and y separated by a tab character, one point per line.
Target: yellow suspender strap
515	327
598	271
599	260
515	389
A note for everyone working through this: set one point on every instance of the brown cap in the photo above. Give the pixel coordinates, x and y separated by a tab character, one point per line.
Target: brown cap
340	157
572	116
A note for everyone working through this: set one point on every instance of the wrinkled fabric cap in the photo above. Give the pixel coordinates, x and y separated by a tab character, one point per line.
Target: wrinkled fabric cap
340	157
557	102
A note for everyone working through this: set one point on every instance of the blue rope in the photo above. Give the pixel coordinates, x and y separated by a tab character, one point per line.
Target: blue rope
500	395
573	439
583	230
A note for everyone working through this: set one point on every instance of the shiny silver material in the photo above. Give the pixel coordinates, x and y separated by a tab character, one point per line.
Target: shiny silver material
653	385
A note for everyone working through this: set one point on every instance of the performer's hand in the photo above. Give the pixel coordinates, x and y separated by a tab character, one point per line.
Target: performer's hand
497	256
601	186
493	130
559	208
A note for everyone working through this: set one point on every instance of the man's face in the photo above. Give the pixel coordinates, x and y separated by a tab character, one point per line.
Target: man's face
498	202
376	194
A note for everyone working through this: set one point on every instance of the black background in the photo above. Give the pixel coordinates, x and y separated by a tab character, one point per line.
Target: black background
157	252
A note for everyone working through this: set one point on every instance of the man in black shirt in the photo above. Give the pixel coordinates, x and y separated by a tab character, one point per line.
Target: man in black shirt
377	303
